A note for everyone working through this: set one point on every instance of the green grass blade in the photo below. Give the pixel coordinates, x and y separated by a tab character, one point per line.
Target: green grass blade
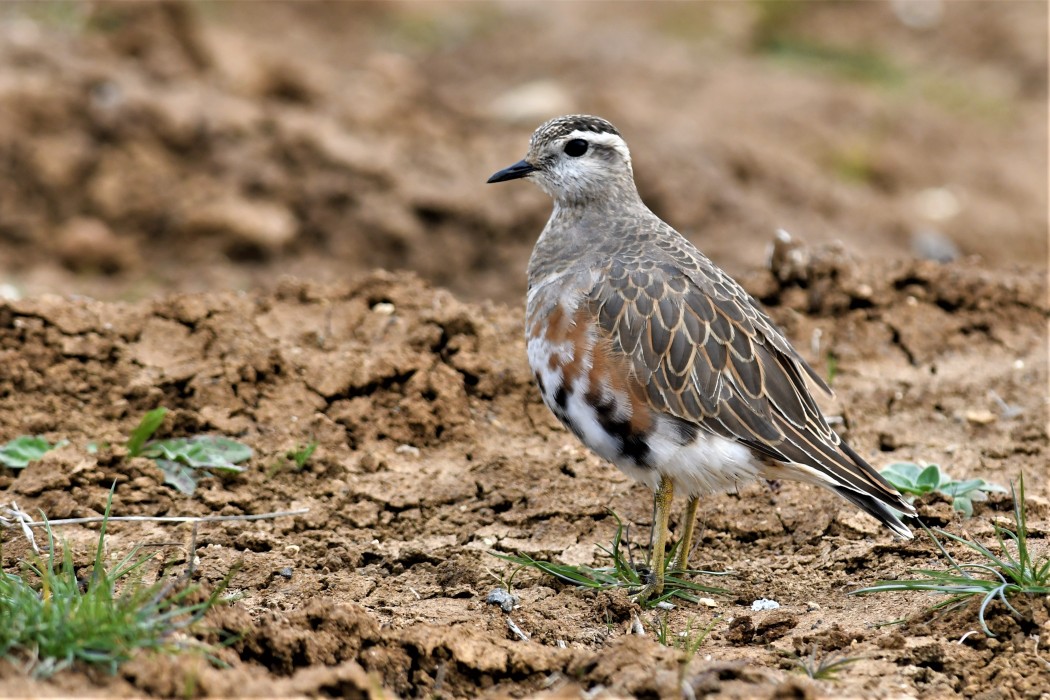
145	429
940	547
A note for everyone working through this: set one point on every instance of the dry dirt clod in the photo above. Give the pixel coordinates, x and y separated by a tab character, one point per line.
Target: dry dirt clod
86	244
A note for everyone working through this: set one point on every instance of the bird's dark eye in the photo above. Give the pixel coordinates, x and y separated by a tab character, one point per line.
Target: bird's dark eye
576	148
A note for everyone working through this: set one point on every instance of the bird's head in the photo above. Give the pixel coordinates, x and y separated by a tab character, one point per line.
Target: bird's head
575	159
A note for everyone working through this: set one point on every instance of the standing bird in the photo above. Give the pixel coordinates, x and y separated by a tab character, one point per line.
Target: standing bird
659	361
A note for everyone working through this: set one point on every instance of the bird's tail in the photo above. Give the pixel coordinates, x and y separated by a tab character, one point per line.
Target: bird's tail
846	473
881	500
888	516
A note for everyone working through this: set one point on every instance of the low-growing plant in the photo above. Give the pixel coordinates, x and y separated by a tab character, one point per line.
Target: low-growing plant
53	619
181	458
1013	571
915	480
506	582
298	457
302	454
820	667
622	574
24	449
689	641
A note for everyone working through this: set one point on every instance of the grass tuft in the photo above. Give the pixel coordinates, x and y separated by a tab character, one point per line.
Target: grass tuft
687	642
53	619
820	668
1013	571
622	574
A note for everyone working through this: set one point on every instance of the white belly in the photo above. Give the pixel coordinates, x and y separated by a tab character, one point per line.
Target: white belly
708	464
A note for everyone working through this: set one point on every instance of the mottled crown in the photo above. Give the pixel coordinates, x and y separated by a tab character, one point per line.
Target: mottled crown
563	126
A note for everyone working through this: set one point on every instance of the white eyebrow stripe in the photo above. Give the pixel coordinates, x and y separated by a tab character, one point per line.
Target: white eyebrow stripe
604	139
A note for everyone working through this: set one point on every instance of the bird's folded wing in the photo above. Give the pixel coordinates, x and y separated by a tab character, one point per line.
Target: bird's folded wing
701	350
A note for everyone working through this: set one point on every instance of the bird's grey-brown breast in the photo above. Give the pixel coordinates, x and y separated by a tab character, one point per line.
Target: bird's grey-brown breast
583	239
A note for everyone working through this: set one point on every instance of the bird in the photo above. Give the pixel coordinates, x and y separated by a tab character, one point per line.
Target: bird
660	362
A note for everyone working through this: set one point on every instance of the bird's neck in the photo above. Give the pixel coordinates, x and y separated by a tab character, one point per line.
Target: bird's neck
609	195
615	199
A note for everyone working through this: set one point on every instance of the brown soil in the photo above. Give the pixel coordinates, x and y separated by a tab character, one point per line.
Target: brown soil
163	158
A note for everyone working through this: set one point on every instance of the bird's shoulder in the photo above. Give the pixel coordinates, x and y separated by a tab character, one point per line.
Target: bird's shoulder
660	264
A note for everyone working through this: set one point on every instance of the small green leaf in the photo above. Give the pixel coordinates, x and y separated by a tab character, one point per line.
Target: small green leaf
18	453
929	478
180	458
964	505
903	476
904	472
145	429
961	488
183	478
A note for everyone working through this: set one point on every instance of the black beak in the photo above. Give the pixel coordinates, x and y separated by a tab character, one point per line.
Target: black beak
519	169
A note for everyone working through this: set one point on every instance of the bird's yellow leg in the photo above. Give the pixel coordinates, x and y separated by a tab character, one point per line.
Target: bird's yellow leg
662	500
681	555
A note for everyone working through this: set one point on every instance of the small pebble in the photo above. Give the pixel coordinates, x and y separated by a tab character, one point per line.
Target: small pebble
764	604
981	417
503	598
812	607
286	572
930	244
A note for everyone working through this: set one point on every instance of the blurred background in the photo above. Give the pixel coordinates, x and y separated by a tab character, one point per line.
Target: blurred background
149	147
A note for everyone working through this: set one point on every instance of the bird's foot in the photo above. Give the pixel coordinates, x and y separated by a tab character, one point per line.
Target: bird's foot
653	588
